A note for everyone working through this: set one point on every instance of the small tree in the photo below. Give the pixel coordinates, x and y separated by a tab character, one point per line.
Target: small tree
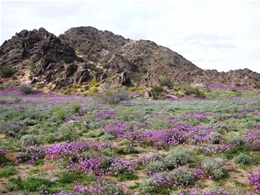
112	94
6	71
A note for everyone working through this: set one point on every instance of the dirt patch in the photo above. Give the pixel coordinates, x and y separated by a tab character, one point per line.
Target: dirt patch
49	168
12	156
2	136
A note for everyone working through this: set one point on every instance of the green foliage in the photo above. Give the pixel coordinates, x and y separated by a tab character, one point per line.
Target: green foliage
105	137
166	81
8	171
67	177
112	95
157	92
36	184
12	186
28	140
3	159
105	64
66	91
26	89
39	85
179	156
214	168
92	90
6	71
60	113
156	166
68	59
65	134
244	159
183	176
215	137
31	184
75	108
76	86
50	138
189	90
127	177
32	67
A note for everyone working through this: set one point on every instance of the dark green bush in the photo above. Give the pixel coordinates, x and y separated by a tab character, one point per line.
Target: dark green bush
6	71
26	89
157	92
189	90
112	95
8	171
214	167
31	184
67	177
166	81
244	159
68	59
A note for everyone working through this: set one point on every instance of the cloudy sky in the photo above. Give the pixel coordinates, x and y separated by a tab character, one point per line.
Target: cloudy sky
220	35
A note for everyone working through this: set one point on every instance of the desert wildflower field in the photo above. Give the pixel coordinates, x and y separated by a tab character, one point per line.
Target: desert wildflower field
68	144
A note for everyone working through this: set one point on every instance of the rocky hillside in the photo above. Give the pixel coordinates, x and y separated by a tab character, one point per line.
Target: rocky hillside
84	54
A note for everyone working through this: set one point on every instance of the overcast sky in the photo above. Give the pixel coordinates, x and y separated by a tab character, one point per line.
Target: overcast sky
220	35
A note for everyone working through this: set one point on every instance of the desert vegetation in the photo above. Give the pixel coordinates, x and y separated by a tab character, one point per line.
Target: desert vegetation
116	144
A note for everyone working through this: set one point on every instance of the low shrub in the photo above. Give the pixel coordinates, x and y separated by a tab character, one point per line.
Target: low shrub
157	92
60	113
166	81
156	166
66	91
189	90
127	177
31	184
183	176
25	89
214	168
244	159
75	108
179	156
8	171
68	59
67	177
2	158
6	71
112	95
28	140
76	86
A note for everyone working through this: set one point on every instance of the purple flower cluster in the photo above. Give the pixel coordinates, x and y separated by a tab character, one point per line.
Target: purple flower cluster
254	179
179	134
59	151
102	187
30	154
103	166
215	149
251	138
73	148
106	114
181	176
229	87
199	116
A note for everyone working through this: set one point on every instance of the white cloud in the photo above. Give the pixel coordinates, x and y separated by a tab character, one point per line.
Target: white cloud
221	35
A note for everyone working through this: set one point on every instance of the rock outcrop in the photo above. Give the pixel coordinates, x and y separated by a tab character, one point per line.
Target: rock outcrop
45	56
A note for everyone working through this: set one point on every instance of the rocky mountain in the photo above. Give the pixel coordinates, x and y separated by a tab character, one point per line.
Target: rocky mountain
84	54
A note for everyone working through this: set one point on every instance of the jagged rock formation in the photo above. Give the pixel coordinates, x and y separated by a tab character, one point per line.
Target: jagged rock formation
83	54
41	56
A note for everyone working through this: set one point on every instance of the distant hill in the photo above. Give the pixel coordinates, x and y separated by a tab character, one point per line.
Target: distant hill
84	54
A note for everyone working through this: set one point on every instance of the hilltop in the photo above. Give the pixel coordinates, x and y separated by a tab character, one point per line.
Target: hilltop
85	54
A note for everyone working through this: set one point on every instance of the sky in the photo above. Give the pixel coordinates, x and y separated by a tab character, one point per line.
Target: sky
222	35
